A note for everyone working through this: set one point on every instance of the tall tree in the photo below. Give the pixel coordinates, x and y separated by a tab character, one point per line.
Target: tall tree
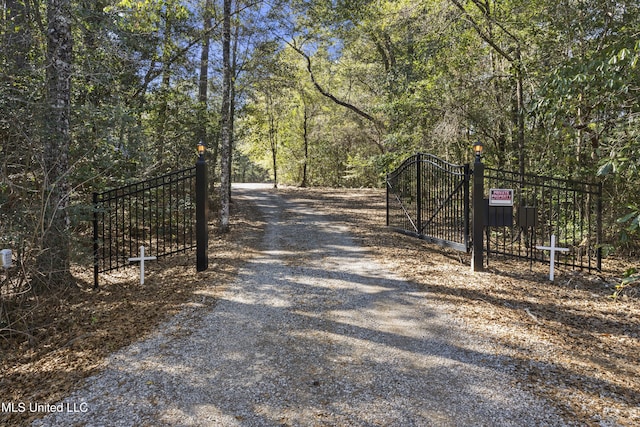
54	261
226	119
377	123
505	43
273	133
305	140
203	81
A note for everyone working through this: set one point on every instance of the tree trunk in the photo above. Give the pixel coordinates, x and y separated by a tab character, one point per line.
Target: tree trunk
520	113
204	77
274	155
225	128
274	159
305	137
232	101
53	261
165	88
273	138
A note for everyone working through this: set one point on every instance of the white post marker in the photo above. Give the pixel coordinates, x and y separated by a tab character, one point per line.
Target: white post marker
142	259
552	249
5	258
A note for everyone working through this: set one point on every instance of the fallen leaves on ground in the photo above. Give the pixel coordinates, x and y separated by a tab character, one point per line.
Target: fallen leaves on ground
566	341
73	331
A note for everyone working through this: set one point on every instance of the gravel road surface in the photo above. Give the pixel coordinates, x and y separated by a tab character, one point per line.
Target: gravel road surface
313	332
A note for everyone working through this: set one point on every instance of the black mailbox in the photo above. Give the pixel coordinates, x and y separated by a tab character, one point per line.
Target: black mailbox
498	216
527	216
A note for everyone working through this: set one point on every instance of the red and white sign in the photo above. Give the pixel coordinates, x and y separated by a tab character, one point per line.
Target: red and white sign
501	197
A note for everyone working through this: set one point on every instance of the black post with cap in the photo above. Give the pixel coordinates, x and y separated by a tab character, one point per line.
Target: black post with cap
477	261
202	211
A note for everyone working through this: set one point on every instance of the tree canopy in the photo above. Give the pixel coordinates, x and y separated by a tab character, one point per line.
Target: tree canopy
315	92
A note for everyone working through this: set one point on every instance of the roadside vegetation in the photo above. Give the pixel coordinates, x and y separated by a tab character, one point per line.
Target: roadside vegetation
97	94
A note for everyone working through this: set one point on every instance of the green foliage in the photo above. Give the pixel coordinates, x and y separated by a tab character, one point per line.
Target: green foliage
629	284
434	76
131	83
631	224
633	219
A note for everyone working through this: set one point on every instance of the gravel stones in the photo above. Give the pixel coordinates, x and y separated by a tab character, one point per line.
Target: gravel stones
313	332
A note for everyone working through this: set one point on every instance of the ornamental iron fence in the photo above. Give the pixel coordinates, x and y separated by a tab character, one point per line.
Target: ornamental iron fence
159	213
429	198
543	205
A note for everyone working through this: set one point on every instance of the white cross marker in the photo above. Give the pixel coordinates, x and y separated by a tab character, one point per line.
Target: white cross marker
552	249
142	259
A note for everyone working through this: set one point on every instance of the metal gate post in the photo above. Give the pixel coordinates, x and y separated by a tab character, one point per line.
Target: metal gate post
386	182
96	243
477	260
202	212
419	193
599	228
466	207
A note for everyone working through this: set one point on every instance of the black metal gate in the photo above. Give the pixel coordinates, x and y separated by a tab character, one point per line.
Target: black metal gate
428	198
159	213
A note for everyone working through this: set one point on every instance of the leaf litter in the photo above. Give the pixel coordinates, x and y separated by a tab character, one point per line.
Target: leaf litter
566	341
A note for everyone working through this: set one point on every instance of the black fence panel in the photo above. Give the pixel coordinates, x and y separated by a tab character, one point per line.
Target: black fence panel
402	196
571	210
158	213
428	198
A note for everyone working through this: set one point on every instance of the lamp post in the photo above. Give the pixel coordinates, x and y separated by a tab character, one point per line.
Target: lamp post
202	211
477	261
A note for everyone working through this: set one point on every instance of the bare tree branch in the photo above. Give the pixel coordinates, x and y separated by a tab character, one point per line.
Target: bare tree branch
481	33
378	124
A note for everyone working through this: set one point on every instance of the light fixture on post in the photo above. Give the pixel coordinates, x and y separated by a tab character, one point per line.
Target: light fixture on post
201	149
477	149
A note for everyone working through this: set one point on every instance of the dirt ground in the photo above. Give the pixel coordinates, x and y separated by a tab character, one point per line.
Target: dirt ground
567	341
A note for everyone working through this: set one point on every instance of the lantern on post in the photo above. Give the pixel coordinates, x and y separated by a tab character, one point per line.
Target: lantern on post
477	150
201	149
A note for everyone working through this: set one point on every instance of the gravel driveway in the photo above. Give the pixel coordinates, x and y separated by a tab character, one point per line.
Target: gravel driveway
313	332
